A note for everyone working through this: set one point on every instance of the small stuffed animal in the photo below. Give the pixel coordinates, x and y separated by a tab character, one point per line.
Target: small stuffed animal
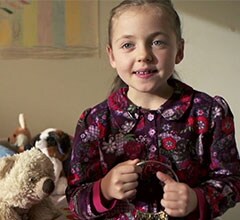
56	144
27	180
21	136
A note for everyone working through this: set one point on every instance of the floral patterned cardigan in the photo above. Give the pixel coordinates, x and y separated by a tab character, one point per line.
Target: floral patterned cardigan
191	132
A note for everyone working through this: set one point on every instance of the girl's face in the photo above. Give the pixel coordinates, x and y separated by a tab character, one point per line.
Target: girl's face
144	49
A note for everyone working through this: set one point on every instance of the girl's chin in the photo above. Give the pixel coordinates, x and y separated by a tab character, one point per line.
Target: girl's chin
144	88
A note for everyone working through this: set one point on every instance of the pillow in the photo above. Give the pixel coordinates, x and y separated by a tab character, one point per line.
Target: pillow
4	151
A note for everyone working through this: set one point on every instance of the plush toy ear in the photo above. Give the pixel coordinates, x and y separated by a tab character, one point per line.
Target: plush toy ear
65	142
21	120
61	140
6	164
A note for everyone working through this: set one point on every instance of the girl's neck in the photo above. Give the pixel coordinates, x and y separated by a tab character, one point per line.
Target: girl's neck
150	101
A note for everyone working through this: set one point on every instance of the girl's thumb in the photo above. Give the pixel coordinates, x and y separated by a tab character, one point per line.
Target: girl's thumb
133	162
164	178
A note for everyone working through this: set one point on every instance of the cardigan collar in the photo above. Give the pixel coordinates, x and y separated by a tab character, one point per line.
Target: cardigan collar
123	110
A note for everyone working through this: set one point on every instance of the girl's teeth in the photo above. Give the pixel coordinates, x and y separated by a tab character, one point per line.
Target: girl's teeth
143	72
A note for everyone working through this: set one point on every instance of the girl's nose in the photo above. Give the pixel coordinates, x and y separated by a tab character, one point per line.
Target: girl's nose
144	54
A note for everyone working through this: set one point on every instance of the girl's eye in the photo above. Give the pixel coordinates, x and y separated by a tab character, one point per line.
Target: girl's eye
127	45
158	43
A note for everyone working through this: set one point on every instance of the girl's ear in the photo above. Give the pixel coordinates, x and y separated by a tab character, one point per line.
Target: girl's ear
111	56
180	53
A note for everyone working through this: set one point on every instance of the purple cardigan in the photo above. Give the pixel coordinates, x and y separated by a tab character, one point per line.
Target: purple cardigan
191	132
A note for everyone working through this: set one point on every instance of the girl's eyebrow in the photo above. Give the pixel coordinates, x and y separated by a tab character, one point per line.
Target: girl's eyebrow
159	33
124	37
154	34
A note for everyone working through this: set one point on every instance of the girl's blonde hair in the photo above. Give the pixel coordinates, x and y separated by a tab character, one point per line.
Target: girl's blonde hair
165	5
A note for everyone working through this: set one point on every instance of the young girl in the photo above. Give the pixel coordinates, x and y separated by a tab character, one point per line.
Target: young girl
152	116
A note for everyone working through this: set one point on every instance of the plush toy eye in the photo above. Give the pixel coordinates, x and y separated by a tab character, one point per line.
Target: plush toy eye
32	179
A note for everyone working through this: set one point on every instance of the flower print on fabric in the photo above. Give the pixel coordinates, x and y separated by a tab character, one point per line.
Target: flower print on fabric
192	132
91	134
118	103
199	124
144	139
202	124
168	113
216	112
110	146
127	127
134	150
150	117
151	132
153	148
169	141
227	125
166	127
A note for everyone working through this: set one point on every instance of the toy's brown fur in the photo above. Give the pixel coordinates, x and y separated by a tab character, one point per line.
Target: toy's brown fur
27	180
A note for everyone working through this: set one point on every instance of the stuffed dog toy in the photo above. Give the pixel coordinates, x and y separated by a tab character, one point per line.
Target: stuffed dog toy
56	144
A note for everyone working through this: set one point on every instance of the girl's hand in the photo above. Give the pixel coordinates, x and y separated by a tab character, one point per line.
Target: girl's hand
178	198
121	181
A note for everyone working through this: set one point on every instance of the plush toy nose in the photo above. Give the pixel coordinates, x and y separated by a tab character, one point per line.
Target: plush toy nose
48	186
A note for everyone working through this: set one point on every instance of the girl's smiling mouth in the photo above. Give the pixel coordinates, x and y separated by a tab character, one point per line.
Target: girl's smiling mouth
146	72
